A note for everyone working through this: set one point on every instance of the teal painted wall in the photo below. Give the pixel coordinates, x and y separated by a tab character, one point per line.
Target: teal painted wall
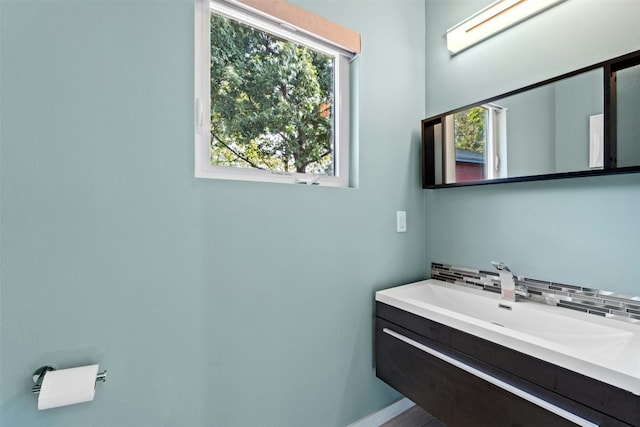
548	127
211	303
576	100
531	132
583	231
628	99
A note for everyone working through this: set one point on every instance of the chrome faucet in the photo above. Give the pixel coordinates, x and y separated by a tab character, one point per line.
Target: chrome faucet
508	288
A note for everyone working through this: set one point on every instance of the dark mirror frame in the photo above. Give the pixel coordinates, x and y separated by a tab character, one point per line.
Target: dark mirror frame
430	166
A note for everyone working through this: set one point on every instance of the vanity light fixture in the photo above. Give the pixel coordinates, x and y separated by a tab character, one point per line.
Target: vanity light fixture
496	17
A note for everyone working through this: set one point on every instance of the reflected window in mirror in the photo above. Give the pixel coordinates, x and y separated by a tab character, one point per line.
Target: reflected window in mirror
475	144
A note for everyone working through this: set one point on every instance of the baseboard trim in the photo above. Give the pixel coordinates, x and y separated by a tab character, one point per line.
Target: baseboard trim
383	415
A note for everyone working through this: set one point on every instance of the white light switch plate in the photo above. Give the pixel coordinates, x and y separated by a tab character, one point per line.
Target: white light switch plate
401	221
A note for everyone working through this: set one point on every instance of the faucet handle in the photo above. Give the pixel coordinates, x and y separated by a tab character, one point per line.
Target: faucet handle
500	266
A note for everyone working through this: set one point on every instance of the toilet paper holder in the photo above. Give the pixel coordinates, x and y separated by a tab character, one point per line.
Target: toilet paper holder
38	377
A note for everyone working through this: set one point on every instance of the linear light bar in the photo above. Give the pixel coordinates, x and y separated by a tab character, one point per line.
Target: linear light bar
494	18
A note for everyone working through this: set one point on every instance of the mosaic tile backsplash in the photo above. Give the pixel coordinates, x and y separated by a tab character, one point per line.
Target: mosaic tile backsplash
588	300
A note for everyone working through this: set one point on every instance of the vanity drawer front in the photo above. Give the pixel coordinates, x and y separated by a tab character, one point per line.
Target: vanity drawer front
601	397
460	398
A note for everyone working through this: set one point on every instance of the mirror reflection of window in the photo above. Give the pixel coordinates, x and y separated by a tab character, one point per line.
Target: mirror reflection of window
476	144
470	140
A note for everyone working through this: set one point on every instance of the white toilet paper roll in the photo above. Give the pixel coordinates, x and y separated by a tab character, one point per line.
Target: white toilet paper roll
68	386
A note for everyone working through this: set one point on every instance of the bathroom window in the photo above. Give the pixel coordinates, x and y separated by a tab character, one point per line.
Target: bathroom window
272	99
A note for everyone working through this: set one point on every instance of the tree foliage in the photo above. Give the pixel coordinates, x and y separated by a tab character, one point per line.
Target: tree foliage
271	101
470	129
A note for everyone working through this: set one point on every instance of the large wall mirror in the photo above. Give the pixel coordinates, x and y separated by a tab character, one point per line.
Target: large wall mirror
582	123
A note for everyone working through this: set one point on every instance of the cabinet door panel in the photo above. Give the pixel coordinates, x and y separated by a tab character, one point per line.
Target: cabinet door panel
459	398
587	392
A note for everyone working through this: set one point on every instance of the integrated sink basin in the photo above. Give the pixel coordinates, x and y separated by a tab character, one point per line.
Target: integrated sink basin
598	347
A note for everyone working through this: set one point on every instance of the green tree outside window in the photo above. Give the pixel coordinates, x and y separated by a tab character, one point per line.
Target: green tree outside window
469	128
272	101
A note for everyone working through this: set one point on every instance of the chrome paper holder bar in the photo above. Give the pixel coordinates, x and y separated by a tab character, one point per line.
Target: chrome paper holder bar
38	377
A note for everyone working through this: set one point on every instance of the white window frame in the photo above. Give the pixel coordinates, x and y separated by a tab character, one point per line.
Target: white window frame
496	143
341	128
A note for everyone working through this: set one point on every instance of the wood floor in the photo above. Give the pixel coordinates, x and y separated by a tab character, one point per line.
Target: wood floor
413	417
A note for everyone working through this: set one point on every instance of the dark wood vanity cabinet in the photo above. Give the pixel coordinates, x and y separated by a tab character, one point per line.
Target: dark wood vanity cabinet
460	379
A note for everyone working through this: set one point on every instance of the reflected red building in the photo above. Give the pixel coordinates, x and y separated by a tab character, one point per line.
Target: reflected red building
469	165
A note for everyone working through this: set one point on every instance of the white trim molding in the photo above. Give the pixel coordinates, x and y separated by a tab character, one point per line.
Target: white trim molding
385	414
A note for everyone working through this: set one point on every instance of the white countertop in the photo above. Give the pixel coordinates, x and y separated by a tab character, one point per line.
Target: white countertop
601	348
